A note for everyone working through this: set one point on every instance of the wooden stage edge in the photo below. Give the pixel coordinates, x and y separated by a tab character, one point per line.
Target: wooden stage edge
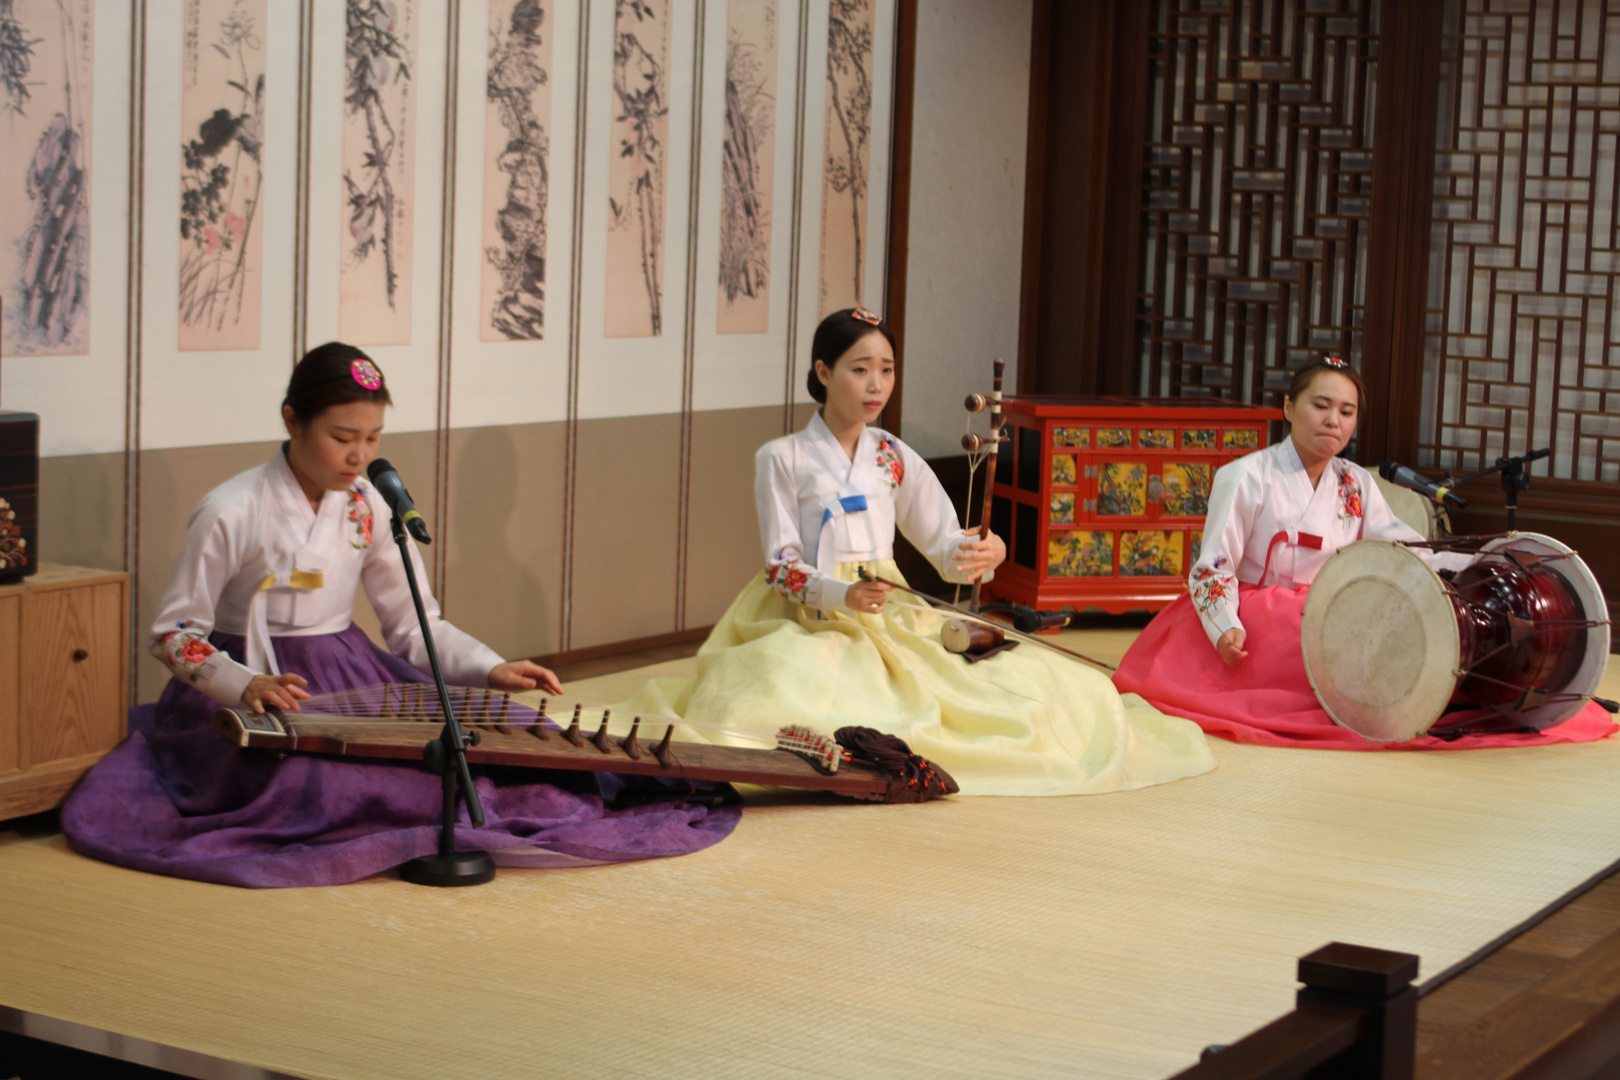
124	1048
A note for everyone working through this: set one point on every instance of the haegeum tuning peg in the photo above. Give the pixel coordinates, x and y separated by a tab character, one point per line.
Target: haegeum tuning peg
976	403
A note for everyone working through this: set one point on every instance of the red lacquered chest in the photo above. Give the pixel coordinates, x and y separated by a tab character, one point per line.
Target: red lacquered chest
1101	500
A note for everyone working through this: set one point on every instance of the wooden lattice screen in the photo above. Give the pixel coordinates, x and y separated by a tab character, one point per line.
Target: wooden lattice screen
1523	330
1257	192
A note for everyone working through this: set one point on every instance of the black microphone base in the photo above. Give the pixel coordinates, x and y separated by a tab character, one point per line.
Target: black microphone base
448	871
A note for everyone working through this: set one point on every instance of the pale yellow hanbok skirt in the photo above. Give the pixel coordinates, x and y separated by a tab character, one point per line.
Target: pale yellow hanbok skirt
1027	721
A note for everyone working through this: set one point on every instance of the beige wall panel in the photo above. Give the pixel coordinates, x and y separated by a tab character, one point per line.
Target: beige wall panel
81	510
504	536
724	552
626	511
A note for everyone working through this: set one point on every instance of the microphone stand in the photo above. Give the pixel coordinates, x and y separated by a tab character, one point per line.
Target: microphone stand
448	754
1514	479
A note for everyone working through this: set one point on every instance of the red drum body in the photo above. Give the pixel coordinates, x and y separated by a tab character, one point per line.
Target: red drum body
1518	639
1521	628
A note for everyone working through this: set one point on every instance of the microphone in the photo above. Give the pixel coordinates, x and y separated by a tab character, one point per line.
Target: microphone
387	481
1406	478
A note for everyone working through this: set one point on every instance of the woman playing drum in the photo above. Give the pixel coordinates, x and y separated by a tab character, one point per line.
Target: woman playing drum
1228	654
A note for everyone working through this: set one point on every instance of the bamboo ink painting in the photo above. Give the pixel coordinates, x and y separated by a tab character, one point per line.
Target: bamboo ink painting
748	157
848	155
517	151
221	174
638	168
45	95
379	148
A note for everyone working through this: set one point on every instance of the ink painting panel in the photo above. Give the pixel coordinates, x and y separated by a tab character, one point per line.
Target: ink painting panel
45	125
517	171
379	150
847	157
222	98
748	161
638	169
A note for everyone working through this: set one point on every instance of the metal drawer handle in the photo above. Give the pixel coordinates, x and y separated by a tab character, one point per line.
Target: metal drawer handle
80	654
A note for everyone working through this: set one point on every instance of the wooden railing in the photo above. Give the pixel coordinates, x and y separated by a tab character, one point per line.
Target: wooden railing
1355	1017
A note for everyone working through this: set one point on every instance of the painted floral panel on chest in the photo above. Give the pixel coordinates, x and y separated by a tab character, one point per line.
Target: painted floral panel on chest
1101	500
64	664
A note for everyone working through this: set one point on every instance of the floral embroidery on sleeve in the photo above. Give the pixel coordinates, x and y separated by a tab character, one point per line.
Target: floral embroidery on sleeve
791	582
1349	496
888	459
360	518
185	650
1210	588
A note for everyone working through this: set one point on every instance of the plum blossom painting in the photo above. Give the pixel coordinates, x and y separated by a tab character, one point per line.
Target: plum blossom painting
638	169
45	84
379	147
848	154
748	157
517	147
221	174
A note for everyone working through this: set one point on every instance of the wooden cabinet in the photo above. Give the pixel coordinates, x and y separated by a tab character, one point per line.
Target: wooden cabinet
1101	500
64	664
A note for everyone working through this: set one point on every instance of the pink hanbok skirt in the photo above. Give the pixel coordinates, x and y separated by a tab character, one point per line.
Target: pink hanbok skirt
1267	699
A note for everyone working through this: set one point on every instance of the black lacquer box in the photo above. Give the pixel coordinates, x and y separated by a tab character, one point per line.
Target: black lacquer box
19	494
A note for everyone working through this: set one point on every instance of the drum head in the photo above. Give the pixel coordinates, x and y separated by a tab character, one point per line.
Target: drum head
1380	641
1593	607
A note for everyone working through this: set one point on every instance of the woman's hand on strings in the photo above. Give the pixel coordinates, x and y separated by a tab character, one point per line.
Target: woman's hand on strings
1230	646
523	675
283	692
867	597
978	557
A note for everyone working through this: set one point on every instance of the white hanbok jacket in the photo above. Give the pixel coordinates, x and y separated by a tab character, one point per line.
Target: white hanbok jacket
817	508
1267	526
259	561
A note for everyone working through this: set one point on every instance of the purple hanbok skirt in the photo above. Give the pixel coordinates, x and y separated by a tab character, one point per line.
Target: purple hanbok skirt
182	800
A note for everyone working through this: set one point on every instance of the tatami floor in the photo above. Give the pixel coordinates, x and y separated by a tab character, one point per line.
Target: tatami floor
1108	936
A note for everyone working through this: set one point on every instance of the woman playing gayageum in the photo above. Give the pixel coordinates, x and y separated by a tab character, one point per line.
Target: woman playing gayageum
1228	654
806	642
258	614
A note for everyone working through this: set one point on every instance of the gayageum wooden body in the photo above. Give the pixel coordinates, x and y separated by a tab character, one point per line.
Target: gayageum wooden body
503	732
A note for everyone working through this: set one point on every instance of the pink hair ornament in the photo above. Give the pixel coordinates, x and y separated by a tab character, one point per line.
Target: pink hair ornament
866	316
366	374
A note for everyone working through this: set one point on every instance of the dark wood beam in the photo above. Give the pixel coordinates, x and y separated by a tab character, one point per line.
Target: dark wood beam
905	95
1398	240
1082	199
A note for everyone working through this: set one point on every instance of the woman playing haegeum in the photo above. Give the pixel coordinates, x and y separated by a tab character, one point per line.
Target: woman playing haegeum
258	613
807	643
1227	655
